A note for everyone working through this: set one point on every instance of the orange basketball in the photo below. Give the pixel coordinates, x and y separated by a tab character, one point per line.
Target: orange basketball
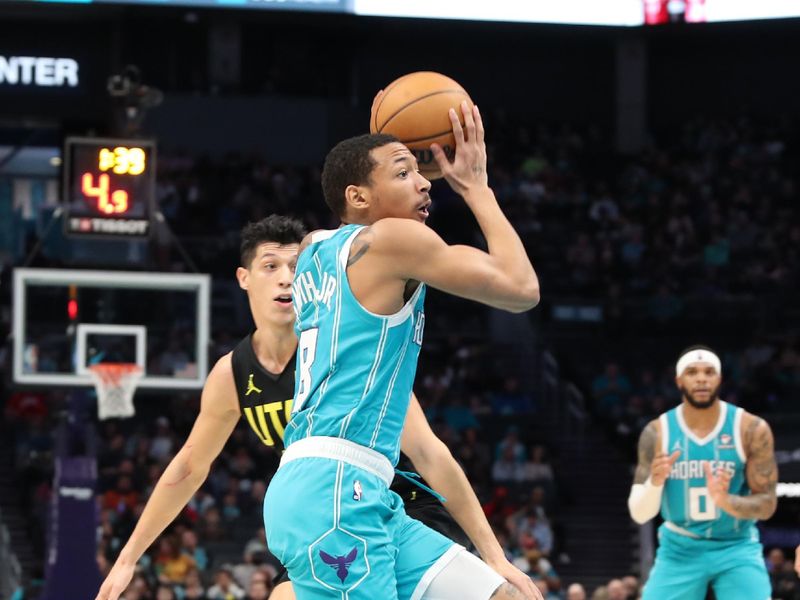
414	109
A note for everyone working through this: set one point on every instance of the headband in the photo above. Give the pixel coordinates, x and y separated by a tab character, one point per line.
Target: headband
698	356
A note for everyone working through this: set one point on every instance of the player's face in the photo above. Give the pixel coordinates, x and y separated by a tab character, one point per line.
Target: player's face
397	189
268	282
699	385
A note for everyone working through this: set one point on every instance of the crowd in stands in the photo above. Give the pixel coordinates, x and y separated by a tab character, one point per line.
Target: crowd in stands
669	237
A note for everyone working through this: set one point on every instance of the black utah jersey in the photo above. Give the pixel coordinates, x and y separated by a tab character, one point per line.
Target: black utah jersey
265	398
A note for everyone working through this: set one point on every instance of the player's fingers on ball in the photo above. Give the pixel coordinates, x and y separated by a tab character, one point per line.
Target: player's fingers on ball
479	131
469	121
441	158
458	131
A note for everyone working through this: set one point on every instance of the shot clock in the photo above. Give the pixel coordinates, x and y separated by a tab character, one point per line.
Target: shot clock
109	186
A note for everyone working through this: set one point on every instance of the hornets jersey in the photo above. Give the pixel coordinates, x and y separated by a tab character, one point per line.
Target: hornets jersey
355	369
686	505
265	398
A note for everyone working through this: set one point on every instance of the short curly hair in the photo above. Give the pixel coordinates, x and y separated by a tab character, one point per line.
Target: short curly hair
274	228
349	163
695	347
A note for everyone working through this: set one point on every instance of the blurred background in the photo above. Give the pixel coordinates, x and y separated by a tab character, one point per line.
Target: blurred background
646	151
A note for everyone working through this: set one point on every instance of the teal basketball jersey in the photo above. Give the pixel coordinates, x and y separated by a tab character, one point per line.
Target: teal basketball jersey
355	369
686	505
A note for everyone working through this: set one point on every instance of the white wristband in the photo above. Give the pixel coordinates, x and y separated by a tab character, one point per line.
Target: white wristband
644	501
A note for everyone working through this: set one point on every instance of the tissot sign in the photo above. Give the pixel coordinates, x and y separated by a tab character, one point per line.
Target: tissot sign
39	72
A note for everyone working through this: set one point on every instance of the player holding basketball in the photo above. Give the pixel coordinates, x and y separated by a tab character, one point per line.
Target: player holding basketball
256	381
710	468
358	293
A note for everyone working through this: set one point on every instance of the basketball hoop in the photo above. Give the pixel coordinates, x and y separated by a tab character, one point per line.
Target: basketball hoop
115	384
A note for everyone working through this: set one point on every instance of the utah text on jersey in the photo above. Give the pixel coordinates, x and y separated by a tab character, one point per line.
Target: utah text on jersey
261	416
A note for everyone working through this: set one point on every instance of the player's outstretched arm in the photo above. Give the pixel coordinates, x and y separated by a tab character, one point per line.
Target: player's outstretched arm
434	461
652	470
406	249
219	413
761	470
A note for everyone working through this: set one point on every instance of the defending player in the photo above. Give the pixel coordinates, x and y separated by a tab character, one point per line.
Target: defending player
256	381
710	468
358	294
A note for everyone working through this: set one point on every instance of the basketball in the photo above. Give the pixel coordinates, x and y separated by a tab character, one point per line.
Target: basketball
414	109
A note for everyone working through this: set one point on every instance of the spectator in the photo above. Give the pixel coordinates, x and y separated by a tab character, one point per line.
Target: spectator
544	588
631	585
512	400
535	565
530	531
616	590
506	469
230	508
172	566
258	543
191	548
611	391
536	468
123	497
510	446
782	576
243	572
225	587
258	590
193	586
576	592
162	443
165	592
211	526
458	415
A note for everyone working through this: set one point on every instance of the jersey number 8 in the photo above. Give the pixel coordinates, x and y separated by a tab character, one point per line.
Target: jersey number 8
306	352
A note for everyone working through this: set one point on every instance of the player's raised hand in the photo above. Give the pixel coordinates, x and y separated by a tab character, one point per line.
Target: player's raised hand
661	466
718	484
468	169
517	578
117	581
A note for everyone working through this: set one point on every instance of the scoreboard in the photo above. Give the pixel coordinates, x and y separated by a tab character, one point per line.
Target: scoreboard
108	187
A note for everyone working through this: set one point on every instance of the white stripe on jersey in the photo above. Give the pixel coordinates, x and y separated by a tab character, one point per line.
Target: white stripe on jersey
374	439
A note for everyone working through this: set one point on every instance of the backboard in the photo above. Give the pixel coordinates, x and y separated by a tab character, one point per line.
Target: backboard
66	320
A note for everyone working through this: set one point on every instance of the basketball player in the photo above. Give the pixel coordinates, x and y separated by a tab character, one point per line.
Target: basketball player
710	468
256	381
358	293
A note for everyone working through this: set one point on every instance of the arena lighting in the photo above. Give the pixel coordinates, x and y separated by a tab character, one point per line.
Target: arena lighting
788	490
746	10
581	12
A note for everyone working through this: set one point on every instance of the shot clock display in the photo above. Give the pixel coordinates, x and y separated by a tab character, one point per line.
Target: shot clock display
109	186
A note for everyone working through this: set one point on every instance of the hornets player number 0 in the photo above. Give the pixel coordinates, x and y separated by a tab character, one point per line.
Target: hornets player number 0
709	468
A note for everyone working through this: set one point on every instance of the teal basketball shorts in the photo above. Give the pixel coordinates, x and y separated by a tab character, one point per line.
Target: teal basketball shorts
685	567
341	533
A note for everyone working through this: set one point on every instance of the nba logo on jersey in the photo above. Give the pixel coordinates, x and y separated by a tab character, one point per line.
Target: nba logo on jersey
357	491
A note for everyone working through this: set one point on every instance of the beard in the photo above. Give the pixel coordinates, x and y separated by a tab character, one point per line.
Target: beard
713	397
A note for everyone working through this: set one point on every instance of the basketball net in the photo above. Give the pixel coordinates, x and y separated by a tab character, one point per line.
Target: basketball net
115	384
